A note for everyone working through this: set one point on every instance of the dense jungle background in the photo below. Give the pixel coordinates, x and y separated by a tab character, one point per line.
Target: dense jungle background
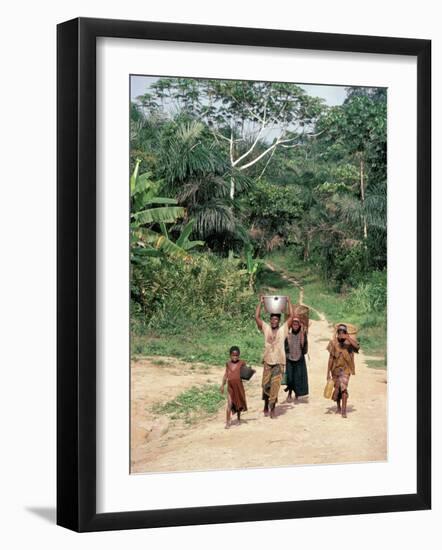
240	188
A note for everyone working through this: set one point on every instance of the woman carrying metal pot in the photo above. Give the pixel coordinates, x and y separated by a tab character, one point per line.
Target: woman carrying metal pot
274	354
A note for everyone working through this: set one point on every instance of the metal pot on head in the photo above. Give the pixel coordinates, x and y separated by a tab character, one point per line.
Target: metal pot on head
275	304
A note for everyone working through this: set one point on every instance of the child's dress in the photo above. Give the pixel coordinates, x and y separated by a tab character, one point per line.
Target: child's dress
235	387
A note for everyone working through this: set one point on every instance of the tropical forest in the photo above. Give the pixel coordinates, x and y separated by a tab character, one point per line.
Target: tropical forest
243	188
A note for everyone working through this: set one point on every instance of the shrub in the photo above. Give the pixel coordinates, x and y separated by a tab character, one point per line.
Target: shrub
370	296
169	292
194	402
347	264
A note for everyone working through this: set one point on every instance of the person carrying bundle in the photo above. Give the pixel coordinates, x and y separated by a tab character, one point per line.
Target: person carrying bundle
341	365
296	347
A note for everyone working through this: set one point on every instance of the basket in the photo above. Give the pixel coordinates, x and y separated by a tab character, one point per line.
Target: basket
303	312
351	329
246	372
328	390
275	304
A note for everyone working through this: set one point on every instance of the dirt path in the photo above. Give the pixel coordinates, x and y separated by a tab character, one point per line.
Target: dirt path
291	280
307	432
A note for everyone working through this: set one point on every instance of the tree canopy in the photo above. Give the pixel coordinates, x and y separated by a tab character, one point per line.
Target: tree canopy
246	167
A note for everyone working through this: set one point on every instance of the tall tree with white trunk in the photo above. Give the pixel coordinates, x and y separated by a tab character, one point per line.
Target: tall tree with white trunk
249	120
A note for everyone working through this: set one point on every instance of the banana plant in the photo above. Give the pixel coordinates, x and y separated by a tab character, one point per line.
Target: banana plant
252	266
150	209
183	240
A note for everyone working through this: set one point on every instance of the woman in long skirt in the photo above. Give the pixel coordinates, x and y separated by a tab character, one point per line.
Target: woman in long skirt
296	368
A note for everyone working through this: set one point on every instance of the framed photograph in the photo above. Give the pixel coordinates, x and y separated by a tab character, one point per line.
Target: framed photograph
244	251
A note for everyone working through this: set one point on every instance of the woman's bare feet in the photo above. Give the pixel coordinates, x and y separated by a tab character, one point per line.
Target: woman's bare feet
227	426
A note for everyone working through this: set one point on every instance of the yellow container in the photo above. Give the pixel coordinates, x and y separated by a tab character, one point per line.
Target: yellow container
328	390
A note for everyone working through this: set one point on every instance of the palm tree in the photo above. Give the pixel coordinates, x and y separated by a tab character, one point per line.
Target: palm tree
196	172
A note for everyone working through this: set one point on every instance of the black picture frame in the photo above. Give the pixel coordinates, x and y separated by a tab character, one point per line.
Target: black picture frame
77	287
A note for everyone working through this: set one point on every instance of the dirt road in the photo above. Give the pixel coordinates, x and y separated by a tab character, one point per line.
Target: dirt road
305	432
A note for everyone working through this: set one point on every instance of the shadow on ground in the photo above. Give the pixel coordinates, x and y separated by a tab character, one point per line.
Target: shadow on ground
332	409
46	513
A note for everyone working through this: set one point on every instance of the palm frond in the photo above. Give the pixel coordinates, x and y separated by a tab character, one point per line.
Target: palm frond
190	131
160	200
349	209
376	206
213	218
166	214
185	233
134	176
188	245
161	243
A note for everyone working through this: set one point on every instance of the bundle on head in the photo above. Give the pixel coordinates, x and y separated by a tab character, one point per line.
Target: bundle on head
303	312
351	329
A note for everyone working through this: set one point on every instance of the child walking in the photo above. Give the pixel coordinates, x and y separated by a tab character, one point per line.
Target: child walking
236	396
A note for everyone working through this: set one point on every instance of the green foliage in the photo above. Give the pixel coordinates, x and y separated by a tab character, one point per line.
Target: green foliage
358	126
341	306
353	186
370	296
208	341
202	341
273	204
167	292
187	153
273	211
252	265
196	172
183	240
206	173
150	244
146	242
345	264
229	103
238	119
190	135
376	364
161	214
340	178
193	403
